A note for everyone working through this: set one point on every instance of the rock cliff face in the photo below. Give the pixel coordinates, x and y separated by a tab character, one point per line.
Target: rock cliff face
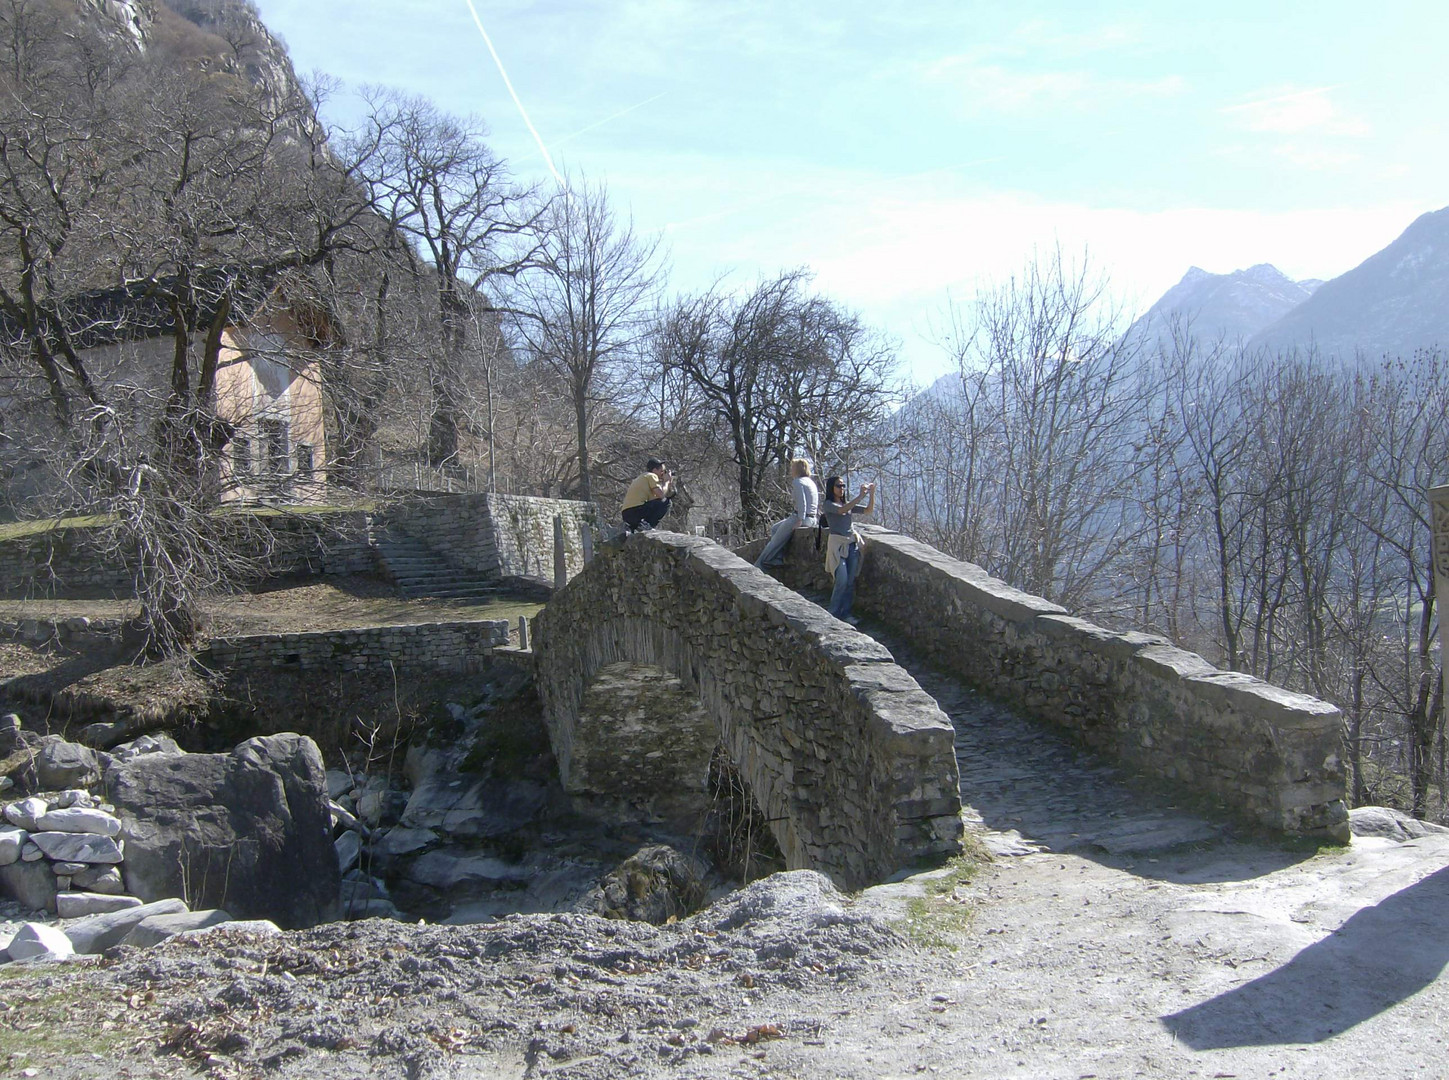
216	35
131	17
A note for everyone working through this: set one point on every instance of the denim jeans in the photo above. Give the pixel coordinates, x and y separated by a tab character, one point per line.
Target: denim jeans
843	595
780	534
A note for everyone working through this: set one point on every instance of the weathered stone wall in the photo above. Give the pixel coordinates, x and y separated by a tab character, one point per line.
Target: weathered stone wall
61	559
492	535
326	542
1267	754
523	534
437	646
853	763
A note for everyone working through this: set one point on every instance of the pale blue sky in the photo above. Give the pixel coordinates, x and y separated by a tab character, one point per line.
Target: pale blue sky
904	150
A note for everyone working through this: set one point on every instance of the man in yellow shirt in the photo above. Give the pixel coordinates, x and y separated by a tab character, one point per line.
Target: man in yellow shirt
647	500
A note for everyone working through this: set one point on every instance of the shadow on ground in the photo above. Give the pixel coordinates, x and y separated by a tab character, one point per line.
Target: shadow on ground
1378	958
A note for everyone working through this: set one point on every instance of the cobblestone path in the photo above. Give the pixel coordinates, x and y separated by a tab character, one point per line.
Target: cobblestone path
1026	786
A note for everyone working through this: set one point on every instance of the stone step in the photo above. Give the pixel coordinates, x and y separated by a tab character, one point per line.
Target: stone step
418	571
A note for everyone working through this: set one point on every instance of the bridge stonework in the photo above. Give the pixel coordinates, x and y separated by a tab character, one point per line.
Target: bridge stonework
850	760
1266	754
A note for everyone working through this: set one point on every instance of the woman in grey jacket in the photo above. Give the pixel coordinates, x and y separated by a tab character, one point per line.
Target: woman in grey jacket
807	501
844	546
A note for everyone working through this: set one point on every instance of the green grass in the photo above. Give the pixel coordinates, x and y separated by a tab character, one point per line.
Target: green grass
18	530
299	508
41	1029
941	918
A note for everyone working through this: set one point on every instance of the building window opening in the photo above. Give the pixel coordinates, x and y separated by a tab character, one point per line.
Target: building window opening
276	458
241	455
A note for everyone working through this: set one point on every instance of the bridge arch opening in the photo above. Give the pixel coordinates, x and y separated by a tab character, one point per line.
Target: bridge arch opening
851	764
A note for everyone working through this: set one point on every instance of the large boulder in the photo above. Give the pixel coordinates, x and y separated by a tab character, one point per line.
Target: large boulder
77	847
11	841
155	929
78	905
62	764
249	831
1386	823
13	737
97	933
653	885
39	939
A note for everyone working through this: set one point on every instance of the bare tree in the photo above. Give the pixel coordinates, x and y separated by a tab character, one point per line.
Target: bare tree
1407	426
435	182
1060	418
147	198
584	309
777	369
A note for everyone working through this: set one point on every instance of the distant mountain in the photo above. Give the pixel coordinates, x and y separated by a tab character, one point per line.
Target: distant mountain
1393	302
1233	306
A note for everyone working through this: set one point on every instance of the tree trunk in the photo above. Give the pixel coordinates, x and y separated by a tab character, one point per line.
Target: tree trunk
581	423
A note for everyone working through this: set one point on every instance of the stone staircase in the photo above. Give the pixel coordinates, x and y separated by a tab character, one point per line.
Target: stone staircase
417	570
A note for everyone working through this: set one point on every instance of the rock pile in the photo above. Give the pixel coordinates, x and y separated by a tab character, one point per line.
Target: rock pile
360	805
140	925
62	852
250	832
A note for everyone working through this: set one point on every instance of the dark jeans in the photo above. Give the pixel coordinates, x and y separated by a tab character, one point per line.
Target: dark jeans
846	571
650	514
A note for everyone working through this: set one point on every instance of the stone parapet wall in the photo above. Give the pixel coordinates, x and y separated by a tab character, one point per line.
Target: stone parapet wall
489	535
850	760
1269	755
438	646
71	558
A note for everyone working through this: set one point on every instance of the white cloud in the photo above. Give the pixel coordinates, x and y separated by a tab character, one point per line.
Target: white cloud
893	246
991	87
1297	112
1044	35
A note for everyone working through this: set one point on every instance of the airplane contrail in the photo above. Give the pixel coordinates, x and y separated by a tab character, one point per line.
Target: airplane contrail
514	94
610	117
597	123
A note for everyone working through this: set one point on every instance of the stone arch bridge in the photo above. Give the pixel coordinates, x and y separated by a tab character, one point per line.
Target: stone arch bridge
847	756
852	763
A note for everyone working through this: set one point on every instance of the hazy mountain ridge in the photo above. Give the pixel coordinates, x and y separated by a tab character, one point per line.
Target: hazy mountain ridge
1395	301
1231	306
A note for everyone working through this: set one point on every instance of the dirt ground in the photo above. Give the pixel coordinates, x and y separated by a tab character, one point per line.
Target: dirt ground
1238	961
289	605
